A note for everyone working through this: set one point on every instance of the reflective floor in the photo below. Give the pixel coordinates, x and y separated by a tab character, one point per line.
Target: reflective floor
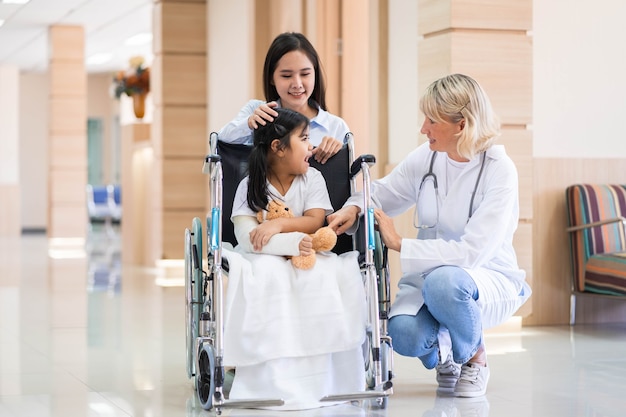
82	335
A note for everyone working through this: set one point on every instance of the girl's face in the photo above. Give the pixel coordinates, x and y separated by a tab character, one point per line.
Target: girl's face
443	136
296	157
294	79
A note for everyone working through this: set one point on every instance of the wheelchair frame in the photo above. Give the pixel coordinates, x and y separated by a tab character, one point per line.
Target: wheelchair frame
205	297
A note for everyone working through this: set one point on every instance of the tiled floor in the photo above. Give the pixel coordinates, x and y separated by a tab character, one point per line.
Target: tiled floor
81	335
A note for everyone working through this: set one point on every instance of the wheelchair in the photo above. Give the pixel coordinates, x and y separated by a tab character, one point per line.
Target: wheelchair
204	289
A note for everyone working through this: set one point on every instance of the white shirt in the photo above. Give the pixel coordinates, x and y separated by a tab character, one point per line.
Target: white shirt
324	124
482	245
307	191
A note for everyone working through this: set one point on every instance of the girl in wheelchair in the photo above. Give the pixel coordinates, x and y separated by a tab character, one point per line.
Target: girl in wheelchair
291	333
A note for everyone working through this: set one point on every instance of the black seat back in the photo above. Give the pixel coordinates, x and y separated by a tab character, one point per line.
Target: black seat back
336	172
234	169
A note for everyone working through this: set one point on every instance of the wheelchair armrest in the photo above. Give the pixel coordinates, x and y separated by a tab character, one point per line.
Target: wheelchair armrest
208	161
356	165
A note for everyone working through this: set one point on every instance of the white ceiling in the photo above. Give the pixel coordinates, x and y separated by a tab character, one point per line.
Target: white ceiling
107	24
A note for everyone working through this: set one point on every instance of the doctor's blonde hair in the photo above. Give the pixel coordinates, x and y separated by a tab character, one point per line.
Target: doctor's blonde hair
457	97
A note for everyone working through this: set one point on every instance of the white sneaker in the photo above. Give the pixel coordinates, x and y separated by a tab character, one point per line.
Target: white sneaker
447	375
473	381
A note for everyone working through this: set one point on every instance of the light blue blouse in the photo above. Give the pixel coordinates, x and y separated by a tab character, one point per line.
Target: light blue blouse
324	124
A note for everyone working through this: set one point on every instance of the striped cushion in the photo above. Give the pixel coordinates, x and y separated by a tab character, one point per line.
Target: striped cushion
587	203
606	274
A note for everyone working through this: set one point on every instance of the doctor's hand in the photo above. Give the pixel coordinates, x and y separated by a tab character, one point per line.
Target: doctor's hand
387	229
343	219
327	148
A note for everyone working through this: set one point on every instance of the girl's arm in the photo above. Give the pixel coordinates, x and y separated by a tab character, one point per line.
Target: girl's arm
282	244
309	222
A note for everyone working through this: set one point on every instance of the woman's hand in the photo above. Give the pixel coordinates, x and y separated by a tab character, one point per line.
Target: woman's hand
387	229
262	114
326	149
343	219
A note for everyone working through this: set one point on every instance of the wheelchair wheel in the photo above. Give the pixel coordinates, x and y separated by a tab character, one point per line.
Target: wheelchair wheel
191	335
205	376
193	290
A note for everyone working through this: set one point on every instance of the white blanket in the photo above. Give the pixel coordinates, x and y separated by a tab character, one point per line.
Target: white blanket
274	311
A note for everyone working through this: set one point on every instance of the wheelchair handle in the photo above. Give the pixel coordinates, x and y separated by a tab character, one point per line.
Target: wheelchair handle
356	165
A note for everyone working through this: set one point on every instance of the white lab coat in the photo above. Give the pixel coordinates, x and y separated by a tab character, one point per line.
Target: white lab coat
483	246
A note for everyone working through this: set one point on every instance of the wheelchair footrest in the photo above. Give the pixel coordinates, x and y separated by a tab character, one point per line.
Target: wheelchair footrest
361	395
251	403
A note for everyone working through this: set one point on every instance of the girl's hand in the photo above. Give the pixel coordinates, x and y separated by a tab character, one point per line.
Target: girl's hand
260	235
326	149
388	233
262	114
306	246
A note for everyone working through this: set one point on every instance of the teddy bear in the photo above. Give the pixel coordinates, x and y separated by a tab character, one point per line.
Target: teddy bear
324	239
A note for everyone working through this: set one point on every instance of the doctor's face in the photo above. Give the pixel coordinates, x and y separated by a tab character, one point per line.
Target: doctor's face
443	136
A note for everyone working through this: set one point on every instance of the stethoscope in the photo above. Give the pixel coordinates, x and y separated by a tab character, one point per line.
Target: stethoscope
431	175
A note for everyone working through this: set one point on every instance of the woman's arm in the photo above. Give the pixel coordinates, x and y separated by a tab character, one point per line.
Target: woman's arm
237	130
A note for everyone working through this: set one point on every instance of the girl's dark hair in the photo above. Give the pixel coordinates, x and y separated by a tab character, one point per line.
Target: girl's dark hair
281	128
287	42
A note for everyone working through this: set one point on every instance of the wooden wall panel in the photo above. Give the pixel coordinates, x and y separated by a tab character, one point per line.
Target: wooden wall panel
519	146
179	132
67	43
67	151
181	80
67	187
184	28
183	184
438	15
68	115
68	79
185	131
501	63
551	258
68	220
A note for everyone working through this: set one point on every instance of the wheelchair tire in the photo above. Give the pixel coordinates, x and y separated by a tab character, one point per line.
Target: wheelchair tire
205	376
190	334
193	290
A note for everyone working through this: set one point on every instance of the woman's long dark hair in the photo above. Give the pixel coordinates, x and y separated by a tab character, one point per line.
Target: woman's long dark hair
287	42
281	128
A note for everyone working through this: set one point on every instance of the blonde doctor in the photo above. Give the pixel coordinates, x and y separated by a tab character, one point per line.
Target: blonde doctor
460	276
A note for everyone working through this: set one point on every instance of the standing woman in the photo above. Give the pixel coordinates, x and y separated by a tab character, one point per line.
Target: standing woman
460	275
293	79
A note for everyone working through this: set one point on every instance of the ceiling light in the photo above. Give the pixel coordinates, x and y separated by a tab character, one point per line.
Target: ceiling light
15	1
139	39
1	22
97	59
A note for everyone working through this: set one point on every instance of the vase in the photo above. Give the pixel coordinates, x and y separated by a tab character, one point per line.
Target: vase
139	104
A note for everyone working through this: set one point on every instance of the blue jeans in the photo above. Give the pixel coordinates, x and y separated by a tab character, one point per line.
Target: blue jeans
450	296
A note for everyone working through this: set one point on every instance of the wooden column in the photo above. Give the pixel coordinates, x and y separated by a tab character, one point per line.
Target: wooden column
179	128
489	40
67	209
